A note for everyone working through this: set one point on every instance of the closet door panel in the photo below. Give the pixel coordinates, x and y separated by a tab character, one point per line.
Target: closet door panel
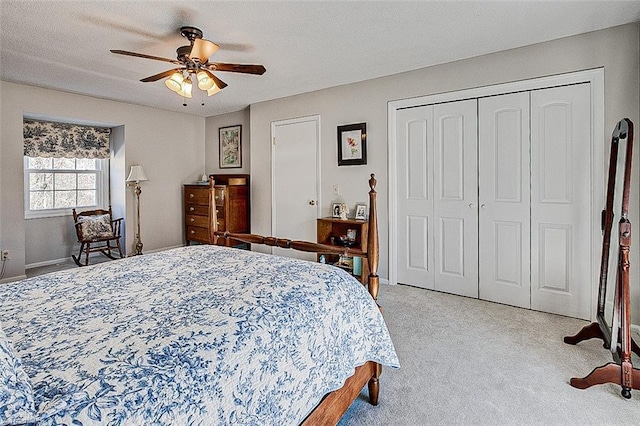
561	200
504	192
414	141
456	197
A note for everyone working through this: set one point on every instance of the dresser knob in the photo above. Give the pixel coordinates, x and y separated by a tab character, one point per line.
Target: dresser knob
190	195
216	197
192	220
193	232
191	209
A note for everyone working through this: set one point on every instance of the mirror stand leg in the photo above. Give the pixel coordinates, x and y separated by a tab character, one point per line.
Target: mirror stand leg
590	331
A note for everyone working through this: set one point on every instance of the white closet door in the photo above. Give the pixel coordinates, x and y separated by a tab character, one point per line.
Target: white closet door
414	154
561	201
504	215
456	197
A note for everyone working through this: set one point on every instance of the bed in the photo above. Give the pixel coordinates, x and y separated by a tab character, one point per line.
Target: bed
198	335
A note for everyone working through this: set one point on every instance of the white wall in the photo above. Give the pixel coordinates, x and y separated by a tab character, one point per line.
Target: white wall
211	142
615	49
168	145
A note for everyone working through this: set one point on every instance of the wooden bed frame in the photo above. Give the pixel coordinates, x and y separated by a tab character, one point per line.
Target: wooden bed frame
333	406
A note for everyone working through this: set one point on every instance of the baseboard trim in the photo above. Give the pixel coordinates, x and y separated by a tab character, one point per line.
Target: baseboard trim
158	250
12	279
47	263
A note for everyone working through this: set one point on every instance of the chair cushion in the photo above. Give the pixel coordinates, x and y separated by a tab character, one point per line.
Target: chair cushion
16	395
95	227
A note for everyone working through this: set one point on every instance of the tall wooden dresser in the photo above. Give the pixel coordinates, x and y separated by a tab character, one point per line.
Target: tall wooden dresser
224	200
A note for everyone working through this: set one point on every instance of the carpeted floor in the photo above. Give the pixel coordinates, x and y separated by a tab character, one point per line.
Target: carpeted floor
466	361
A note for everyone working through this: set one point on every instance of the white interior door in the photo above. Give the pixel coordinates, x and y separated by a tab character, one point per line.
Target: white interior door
456	197
504	197
414	156
295	186
561	200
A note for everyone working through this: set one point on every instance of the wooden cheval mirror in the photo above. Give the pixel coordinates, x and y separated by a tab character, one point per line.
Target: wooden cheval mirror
614	302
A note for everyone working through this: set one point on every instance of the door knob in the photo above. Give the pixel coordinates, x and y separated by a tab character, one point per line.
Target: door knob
471	205
312	202
483	206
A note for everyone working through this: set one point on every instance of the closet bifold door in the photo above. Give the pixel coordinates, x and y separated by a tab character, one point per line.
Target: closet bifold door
561	200
455	154
414	153
504	199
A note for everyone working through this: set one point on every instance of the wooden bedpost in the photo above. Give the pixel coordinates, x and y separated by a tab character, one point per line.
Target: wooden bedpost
373	255
373	249
213	214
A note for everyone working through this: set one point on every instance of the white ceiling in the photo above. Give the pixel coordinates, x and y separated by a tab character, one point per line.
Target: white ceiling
304	45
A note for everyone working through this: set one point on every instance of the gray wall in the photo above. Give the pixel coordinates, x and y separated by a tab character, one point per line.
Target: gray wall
615	49
168	145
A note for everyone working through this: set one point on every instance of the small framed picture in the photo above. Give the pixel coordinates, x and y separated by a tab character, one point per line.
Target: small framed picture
352	144
335	210
361	212
230	149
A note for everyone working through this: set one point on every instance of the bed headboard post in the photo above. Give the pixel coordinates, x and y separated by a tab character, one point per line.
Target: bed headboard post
213	216
373	249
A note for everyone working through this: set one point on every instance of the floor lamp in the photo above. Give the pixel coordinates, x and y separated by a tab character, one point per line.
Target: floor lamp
136	175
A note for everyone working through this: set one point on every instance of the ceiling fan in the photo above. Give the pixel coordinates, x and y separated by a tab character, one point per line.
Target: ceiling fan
193	60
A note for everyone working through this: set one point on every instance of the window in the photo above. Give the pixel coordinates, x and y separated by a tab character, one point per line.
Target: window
53	186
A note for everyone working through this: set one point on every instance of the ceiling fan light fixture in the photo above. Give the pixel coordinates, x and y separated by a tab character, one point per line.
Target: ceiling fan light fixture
174	83
185	90
204	81
212	91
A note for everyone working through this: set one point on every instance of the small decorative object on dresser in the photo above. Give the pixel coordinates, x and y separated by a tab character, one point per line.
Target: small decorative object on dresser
230	149
361	212
339	210
223	202
352	144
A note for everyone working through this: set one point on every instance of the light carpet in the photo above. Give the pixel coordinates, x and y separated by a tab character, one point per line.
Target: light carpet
471	362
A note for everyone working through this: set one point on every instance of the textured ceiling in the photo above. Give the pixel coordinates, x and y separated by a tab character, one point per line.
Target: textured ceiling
305	46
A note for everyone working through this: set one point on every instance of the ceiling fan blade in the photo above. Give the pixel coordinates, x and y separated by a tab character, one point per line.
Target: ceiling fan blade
142	55
202	49
241	68
160	75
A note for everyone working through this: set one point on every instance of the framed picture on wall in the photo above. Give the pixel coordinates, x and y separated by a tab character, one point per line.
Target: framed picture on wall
230	149
352	144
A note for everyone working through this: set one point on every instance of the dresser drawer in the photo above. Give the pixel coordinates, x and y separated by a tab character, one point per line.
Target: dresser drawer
200	221
197	210
196	233
196	196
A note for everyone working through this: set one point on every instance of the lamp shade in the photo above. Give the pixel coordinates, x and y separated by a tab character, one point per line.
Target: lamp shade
204	81
185	91
215	89
174	82
136	174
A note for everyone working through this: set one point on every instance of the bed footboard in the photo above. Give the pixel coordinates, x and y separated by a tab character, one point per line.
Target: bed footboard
335	404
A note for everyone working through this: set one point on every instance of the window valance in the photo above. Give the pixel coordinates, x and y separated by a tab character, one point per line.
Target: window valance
48	139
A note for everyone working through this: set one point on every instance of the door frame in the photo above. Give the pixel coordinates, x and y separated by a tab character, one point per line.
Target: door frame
595	77
274	124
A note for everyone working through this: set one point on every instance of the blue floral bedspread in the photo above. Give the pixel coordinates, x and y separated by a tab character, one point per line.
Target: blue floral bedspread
199	335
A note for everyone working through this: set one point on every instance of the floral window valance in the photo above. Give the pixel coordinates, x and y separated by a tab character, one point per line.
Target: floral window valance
47	139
